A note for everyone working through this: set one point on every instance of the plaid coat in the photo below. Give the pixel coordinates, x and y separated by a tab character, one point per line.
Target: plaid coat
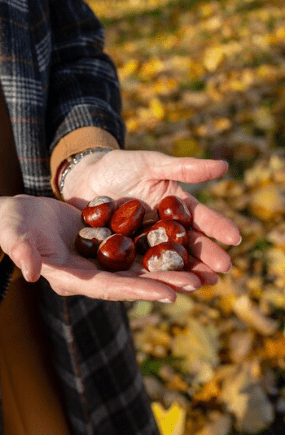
56	78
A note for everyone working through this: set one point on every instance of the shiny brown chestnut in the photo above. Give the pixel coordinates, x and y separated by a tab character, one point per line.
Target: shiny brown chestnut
164	231
116	253
141	243
98	211
128	218
174	208
166	256
88	240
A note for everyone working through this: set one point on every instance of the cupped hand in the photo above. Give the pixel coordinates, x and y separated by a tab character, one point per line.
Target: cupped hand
38	234
150	176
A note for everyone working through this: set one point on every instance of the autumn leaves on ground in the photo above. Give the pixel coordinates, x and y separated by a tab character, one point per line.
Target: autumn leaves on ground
207	79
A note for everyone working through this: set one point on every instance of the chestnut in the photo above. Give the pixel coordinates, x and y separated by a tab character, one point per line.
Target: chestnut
88	240
166	256
141	243
128	218
98	211
164	231
174	208
116	253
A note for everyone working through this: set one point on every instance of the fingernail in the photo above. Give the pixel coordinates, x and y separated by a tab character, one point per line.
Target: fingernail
165	300
239	242
25	271
188	288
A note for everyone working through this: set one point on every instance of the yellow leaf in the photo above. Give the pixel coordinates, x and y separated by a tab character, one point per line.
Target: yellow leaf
197	343
132	124
275	348
222	124
179	310
128	69
238	85
226	303
252	316
153	336
276	261
187	147
165	86
157	108
206	10
267	203
280	34
171	421
209	390
213	57
258	175
176	383
246	399
264	119
151	68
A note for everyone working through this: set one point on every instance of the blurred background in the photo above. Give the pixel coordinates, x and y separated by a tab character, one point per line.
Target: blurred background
207	79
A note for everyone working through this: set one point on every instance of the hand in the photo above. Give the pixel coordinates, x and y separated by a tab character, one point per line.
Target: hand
38	234
150	176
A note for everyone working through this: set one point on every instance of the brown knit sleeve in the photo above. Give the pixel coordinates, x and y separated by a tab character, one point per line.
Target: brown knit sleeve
74	142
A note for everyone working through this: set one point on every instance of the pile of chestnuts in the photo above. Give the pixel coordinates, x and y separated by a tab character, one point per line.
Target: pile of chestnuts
114	236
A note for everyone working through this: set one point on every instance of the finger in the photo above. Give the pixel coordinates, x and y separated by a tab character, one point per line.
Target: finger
211	222
185	280
205	274
185	169
182	279
81	277
208	252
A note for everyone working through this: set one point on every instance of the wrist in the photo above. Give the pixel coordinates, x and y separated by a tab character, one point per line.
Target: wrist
74	142
75	172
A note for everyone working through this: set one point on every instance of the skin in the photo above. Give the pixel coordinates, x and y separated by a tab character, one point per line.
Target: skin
42	242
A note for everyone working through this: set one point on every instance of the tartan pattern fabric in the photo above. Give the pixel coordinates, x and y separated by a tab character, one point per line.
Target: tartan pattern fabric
56	78
100	367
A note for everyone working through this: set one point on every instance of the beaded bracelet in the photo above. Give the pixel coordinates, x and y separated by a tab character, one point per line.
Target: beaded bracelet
77	158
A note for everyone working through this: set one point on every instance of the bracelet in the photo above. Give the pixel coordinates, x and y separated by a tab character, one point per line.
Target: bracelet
77	158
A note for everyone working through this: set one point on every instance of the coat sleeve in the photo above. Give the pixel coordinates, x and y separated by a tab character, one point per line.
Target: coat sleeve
83	86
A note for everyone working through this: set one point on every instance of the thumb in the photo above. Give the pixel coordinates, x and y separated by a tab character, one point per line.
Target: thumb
30	261
27	258
185	169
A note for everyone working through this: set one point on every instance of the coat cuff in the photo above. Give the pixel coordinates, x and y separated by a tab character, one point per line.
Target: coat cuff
74	142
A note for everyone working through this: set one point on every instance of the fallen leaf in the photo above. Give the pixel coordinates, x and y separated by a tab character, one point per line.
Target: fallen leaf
213	57
221	425
170	421
240	345
267	203
196	343
180	309
247	400
187	148
252	316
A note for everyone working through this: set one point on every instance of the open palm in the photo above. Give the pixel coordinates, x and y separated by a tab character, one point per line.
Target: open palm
38	234
150	176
